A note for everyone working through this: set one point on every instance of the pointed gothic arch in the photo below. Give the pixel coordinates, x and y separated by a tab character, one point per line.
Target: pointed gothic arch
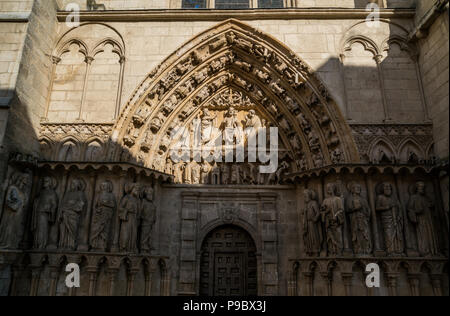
235	57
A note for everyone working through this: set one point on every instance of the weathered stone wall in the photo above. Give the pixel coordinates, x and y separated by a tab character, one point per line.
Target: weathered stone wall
321	43
434	56
31	90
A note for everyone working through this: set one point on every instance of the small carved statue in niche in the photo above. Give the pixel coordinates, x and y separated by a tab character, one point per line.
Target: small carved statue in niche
44	212
392	220
420	209
128	217
169	166
178	171
312	227
332	212
359	211
196	172
235	174
148	219
73	208
104	208
16	200
205	172
225	171
215	174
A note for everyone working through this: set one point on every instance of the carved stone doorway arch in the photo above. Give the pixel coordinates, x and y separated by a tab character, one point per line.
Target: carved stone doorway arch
228	263
237	72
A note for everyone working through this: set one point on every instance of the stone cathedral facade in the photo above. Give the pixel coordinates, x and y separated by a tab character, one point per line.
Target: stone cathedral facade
91	115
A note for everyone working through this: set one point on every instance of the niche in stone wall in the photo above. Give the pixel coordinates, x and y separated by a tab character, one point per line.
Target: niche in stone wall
362	82
87	76
401	82
381	74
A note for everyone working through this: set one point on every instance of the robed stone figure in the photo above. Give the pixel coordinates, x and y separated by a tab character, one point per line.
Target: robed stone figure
16	200
44	212
73	209
359	212
104	208
312	226
148	220
128	218
392	220
420	209
332	211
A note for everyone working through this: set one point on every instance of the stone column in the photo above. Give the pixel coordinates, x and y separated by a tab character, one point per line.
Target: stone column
436	281
120	88
130	281
415	57
328	278
17	271
347	278
378	60
88	61
35	278
54	274
392	279
348	111
55	62
309	276
414	283
112	275
92	279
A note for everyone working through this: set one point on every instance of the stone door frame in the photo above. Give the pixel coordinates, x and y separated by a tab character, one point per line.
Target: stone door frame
203	211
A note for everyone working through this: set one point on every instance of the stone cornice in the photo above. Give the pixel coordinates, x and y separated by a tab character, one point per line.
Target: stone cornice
15	17
220	15
421	29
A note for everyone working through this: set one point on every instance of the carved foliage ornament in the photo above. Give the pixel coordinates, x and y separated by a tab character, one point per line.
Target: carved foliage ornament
261	71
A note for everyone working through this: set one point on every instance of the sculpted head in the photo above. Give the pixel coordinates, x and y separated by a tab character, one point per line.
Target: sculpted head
47	183
76	185
356	189
420	187
106	186
136	191
387	189
331	189
148	193
309	195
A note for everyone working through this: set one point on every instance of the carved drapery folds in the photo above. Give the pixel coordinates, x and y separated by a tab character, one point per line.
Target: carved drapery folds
371	214
233	76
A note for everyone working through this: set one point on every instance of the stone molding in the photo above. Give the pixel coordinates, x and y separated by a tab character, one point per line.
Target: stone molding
220	15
